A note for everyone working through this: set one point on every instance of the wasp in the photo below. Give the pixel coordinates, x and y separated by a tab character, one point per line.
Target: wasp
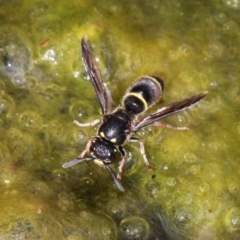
119	126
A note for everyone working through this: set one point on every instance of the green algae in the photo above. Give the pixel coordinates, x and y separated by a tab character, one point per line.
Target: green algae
193	190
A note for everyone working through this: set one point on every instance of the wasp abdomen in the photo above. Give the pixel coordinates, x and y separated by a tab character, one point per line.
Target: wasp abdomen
145	92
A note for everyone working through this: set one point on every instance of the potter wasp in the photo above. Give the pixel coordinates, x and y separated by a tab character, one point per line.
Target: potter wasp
119	126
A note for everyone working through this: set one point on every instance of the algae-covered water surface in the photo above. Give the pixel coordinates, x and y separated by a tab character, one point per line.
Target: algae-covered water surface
193	190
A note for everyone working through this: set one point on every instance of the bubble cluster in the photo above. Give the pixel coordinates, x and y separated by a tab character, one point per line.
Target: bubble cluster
235	4
15	58
21	228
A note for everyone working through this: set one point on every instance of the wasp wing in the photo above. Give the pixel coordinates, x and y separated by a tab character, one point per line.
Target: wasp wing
167	111
94	73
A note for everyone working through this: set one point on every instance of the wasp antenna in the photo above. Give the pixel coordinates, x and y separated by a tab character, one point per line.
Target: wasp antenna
76	161
118	184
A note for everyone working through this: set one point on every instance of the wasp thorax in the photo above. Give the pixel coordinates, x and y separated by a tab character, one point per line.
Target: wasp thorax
114	128
145	92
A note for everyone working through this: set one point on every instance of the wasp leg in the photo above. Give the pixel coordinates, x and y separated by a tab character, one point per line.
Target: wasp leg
115	179
166	125
80	157
93	123
88	145
142	151
122	163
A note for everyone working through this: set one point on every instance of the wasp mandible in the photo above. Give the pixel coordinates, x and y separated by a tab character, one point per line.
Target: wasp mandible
118	126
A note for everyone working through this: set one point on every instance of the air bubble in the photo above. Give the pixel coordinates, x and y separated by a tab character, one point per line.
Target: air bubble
171	181
233	186
204	187
183	51
51	91
153	189
75	69
182	216
38	10
190	157
60	175
214	50
194	169
65	201
85	182
98	226
14	134
181	119
134	228
30	119
116	209
212	104
19	78
233	219
23	145
50	55
7	105
5	155
55	130
186	76
77	111
15	57
230	26
221	18
165	167
232	3
31	82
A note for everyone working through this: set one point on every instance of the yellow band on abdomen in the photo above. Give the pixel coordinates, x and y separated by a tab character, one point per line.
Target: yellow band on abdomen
139	96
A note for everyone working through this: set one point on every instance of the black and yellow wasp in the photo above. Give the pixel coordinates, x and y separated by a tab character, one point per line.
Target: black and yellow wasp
118	126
